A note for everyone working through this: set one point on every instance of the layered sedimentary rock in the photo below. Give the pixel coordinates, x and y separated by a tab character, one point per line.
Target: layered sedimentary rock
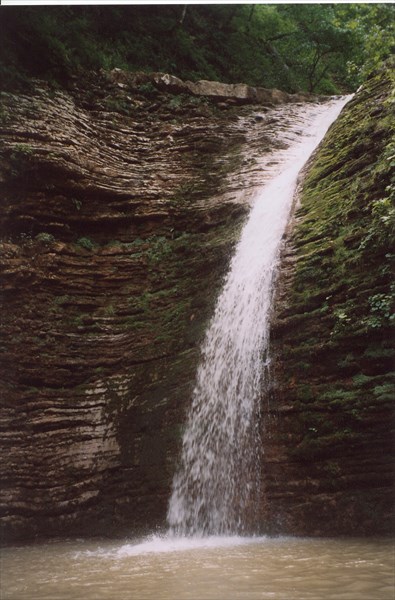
121	202
328	466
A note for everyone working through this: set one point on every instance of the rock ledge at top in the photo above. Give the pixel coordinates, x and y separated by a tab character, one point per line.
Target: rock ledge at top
239	93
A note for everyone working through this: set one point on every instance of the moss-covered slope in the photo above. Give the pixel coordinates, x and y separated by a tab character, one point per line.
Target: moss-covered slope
328	464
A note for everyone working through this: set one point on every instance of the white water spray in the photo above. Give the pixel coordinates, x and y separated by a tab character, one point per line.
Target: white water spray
217	483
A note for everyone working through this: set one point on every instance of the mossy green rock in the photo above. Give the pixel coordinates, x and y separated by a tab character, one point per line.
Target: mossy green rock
330	429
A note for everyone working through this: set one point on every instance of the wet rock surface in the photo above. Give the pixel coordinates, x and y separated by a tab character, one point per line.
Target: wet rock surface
121	203
329	428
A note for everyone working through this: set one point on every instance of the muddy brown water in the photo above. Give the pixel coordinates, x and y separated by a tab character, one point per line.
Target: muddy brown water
201	569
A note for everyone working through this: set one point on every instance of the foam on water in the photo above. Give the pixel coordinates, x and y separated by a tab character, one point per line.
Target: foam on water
162	544
168	543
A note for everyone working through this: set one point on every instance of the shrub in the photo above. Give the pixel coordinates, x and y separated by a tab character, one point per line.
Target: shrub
86	243
46	238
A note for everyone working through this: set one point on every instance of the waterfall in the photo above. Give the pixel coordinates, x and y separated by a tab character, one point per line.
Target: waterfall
217	482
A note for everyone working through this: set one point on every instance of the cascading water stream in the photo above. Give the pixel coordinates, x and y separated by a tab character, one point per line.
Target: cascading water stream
217	482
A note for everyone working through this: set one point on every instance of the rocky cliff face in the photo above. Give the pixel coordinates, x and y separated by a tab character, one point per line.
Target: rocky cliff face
328	463
122	198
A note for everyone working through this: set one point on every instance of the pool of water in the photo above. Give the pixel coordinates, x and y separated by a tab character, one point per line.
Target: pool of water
213	568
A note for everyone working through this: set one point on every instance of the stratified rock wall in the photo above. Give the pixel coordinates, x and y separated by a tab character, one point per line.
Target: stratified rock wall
329	419
121	200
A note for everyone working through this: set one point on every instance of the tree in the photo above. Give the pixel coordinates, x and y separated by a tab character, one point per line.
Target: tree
373	29
319	48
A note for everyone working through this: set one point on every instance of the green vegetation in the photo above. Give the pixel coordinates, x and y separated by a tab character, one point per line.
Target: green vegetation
22	150
158	249
46	238
20	159
86	243
315	47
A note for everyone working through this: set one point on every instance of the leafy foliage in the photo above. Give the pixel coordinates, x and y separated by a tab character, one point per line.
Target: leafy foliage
313	47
